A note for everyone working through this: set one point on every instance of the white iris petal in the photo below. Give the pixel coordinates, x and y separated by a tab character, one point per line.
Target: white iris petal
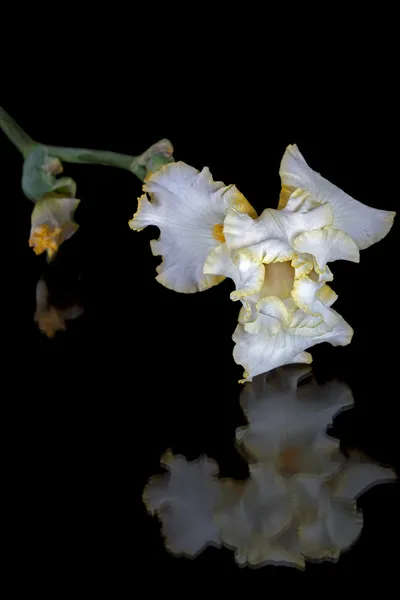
188	207
365	225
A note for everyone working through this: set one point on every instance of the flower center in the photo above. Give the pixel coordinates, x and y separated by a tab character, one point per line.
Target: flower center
278	280
218	233
44	238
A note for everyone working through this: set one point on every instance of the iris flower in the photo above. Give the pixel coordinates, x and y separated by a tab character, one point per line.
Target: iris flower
278	261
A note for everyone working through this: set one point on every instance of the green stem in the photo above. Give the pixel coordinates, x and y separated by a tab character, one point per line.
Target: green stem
94	157
15	133
135	164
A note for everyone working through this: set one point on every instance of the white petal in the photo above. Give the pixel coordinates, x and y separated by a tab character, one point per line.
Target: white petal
189	209
313	298
304	294
240	230
327	295
273	315
327	245
303	268
219	262
250	276
303	323
364	224
240	266
325	275
298	201
260	352
301	358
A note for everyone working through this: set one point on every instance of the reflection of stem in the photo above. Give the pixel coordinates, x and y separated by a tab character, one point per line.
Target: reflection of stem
15	133
134	164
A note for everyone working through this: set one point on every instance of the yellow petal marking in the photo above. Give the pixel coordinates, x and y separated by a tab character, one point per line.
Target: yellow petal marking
44	238
286	192
218	233
243	205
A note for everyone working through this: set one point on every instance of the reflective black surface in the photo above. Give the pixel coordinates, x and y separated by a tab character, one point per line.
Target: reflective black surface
145	369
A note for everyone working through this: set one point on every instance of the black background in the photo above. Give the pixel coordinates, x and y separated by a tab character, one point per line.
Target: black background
145	368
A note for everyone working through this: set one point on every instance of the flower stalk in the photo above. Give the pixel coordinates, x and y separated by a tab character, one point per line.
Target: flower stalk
135	164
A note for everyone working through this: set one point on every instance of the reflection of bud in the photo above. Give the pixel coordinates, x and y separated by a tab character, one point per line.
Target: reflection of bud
52	223
49	318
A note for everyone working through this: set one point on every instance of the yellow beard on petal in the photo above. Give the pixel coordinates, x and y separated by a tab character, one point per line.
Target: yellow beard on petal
218	233
44	238
243	205
286	192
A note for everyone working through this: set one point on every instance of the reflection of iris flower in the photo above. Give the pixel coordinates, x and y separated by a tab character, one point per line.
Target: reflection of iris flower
299	502
277	261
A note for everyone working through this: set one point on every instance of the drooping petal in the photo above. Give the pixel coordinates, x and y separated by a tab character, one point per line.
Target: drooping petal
260	352
365	225
188	207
